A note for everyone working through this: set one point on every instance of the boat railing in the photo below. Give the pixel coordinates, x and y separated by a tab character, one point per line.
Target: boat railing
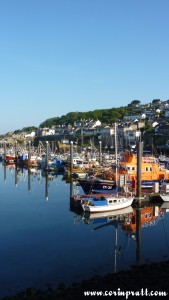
149	159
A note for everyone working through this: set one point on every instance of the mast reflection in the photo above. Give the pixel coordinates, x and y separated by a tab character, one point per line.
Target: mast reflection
131	220
46	186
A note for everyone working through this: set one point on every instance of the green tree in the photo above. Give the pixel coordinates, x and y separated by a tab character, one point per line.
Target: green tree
156	102
148	127
135	103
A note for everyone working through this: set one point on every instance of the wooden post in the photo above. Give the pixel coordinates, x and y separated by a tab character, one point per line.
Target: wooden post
82	136
29	180
4	151
4	172
71	158
139	161
46	187
47	153
71	186
16	176
53	146
138	233
138	209
100	152
29	153
16	152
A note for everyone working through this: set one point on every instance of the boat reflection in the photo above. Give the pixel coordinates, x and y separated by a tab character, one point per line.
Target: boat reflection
117	219
120	215
21	174
129	221
149	216
127	217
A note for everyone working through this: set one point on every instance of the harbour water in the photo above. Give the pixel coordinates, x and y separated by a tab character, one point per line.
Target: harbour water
44	241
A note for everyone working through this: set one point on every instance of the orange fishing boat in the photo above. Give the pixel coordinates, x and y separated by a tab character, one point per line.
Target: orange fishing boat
151	170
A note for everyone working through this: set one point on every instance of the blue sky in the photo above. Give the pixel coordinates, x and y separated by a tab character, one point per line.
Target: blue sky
58	56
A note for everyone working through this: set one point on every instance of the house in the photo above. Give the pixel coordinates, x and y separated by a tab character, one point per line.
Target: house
45	131
107	135
154	124
134	117
130	136
128	132
162	129
30	135
167	114
87	123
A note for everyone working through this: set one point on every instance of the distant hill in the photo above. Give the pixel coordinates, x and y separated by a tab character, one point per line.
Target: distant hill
106	116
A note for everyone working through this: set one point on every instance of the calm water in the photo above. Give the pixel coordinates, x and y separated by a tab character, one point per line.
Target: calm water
43	242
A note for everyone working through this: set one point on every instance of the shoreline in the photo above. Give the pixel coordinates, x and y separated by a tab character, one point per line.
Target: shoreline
150	277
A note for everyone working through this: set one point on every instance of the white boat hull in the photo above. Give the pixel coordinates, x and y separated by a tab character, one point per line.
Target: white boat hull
121	203
107	214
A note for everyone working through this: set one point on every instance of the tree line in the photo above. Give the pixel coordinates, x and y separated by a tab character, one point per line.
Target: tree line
106	116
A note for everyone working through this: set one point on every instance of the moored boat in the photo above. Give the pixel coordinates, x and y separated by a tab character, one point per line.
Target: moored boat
151	170
96	183
95	205
11	158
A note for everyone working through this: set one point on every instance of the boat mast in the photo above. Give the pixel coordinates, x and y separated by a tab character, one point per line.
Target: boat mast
115	144
139	160
139	208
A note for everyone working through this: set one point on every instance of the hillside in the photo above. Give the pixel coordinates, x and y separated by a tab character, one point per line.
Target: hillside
104	115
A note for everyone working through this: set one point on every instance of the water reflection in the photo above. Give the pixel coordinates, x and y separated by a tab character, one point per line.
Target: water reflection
47	241
116	219
131	221
29	174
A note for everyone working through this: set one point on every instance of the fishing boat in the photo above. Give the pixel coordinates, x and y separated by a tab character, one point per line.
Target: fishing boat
95	183
10	158
51	164
25	160
151	170
104	204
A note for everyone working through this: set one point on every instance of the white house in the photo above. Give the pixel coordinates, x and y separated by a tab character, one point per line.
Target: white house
31	135
134	117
